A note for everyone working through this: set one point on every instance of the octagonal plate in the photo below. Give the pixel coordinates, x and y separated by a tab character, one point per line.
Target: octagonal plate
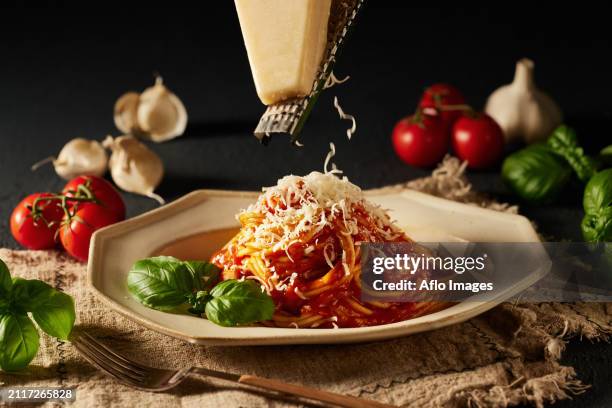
195	226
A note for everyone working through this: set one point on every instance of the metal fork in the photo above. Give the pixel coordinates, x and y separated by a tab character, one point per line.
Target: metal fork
147	378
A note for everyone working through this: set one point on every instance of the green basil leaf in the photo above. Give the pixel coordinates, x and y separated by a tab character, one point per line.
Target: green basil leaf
205	274
56	315
605	156
238	302
161	283
597	227
28	295
198	302
6	283
536	173
598	192
564	142
18	341
52	310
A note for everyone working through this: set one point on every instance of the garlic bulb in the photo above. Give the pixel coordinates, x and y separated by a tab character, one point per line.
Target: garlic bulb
126	109
521	109
134	167
79	157
157	114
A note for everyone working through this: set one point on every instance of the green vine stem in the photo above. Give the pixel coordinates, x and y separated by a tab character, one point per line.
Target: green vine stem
83	194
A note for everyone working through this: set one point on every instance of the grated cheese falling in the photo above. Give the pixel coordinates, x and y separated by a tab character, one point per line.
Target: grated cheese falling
330	155
332	80
343	115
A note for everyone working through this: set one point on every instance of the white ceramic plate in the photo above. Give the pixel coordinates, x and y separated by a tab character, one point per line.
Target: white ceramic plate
196	225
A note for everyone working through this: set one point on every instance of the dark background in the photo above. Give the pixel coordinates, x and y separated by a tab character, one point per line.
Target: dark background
64	65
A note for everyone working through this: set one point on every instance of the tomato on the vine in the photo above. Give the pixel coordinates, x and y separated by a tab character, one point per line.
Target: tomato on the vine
77	229
35	221
421	140
96	187
438	96
478	139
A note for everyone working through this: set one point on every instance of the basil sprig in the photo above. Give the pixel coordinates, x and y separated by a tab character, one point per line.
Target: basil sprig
169	284
538	173
51	309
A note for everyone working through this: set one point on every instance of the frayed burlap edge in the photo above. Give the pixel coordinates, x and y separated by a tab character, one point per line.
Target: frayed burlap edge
449	181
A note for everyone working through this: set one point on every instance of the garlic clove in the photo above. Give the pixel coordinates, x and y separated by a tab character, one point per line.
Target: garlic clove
134	167
160	114
125	113
522	110
79	157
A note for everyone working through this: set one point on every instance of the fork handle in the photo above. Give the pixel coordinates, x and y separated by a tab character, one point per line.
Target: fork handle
311	393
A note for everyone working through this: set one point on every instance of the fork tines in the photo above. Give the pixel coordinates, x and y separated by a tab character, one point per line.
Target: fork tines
109	361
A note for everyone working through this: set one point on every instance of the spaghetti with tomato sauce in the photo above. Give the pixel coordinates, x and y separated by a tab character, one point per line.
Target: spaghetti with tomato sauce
301	241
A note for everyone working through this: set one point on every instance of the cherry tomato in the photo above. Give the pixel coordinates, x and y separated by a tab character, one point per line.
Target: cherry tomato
440	95
102	190
75	233
478	139
36	228
421	140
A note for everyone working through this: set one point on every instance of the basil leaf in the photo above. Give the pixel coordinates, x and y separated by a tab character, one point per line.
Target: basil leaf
536	173
56	315
238	302
597	202
598	192
18	341
52	310
606	155
6	285
198	302
564	142
597	227
28	295
161	283
205	274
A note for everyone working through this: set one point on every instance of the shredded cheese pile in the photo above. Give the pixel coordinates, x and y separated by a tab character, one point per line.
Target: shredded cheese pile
305	205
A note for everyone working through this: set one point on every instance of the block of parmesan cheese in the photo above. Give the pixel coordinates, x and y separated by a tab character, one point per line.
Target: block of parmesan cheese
285	42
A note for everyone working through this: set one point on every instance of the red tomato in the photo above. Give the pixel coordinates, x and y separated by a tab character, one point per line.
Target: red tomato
102	190
421	140
75	233
439	95
478	139
35	229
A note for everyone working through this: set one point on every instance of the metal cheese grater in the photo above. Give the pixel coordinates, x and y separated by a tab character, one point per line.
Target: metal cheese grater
289	116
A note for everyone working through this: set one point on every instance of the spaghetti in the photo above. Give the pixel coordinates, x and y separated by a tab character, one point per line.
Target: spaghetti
301	242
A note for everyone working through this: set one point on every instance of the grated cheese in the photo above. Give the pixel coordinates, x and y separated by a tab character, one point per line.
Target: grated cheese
350	131
300	294
330	155
309	204
332	80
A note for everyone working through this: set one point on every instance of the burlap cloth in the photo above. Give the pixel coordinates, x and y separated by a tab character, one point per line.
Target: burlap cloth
504	357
